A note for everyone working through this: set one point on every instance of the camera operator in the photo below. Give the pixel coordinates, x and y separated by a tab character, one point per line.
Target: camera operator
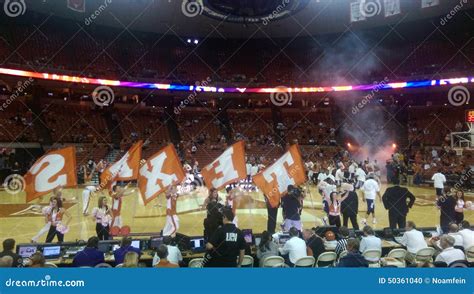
292	205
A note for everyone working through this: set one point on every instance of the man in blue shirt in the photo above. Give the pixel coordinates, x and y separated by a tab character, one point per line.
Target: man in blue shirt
353	257
90	256
125	247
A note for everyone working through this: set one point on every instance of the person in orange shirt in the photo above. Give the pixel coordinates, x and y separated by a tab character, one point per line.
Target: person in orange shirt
162	253
172	220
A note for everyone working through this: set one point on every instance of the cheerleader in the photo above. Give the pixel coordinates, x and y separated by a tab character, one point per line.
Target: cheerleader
460	204
55	216
172	220
213	196
46	210
117	194
334	208
88	190
102	217
230	202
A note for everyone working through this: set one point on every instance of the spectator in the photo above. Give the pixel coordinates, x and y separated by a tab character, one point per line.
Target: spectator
174	254
130	259
449	253
370	241
90	256
413	240
8	246
353	257
6	261
294	248
342	242
37	260
350	206
454	232
266	248
467	234
314	243
125	247
163	254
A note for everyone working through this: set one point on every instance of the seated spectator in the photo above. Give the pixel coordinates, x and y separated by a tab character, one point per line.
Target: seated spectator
370	241
449	253
37	260
8	246
314	243
174	254
467	234
130	259
454	232
90	256
294	248
413	240
125	247
6	261
342	242
353	257
162	253
266	248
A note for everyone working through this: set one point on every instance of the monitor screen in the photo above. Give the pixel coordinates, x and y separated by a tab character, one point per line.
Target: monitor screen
115	247
248	236
26	251
197	243
52	251
156	242
136	244
104	247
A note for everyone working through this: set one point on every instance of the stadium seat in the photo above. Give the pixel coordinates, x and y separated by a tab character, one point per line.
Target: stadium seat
196	262
50	265
273	261
326	259
396	257
248	261
103	265
373	257
470	254
307	261
425	255
119	265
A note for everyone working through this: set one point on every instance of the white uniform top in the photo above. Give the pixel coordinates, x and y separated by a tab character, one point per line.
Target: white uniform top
360	174
439	180
339	175
248	167
254	170
352	168
370	187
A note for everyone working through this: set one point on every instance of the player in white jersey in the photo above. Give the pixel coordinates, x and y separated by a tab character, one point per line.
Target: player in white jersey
371	189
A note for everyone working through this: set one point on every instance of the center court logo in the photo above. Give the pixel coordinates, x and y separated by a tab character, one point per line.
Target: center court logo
14	8
459	95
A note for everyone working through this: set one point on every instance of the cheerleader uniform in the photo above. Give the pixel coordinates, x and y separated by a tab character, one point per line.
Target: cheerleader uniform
459	211
55	217
86	195
116	208
102	219
334	214
45	211
172	220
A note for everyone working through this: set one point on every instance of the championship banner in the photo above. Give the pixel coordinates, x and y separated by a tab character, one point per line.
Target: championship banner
54	169
159	172
125	169
287	170
229	167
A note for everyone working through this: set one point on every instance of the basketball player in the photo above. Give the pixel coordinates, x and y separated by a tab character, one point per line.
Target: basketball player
88	190
172	220
117	194
371	188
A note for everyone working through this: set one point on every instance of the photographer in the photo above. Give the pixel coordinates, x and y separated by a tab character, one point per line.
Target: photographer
292	204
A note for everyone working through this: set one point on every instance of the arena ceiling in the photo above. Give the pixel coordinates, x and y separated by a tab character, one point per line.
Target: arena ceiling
239	18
